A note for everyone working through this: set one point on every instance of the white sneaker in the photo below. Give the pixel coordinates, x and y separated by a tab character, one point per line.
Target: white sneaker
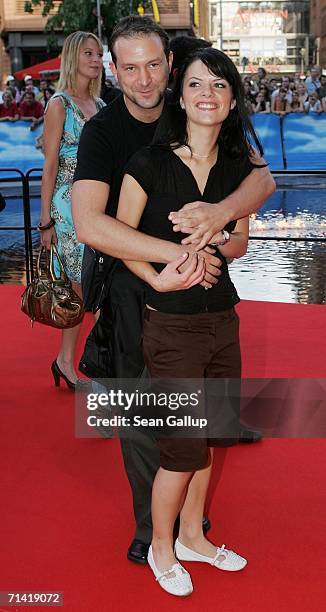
178	584
224	559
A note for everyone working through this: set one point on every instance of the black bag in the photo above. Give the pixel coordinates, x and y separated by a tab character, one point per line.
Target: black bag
95	277
96	360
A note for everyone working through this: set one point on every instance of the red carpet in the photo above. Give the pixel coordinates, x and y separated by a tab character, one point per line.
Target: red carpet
66	508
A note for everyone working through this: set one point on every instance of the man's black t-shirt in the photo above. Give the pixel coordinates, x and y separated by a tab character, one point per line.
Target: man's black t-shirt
107	142
169	184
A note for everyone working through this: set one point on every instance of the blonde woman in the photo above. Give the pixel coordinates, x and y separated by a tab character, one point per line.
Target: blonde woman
75	101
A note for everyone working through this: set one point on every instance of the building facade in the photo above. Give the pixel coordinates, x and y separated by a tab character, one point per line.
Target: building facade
318	31
23	41
259	33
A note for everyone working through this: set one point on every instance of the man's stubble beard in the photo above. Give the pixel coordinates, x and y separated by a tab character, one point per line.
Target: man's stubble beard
142	106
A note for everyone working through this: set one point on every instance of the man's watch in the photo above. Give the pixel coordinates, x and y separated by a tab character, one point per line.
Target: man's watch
226	238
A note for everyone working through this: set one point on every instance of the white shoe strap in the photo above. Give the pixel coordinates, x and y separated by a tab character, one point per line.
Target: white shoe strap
176	568
219	552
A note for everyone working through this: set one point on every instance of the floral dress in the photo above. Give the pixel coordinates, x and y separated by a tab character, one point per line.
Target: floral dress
70	250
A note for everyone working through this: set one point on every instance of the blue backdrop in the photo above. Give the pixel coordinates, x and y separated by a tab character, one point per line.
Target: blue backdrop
269	133
305	141
17	147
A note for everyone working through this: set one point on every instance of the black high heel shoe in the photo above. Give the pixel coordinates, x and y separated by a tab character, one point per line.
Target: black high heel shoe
57	374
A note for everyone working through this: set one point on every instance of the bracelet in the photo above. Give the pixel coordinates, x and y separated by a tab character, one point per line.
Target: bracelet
42	228
226	238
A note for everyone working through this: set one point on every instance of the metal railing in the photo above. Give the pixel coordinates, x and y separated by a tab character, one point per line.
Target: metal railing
25	180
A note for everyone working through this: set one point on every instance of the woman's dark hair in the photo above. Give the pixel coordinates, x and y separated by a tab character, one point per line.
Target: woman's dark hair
237	131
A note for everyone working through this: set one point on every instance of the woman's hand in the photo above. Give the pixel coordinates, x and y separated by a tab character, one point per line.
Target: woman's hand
172	279
48	237
212	265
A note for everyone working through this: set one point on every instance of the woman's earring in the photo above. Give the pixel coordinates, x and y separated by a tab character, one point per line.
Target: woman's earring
182	104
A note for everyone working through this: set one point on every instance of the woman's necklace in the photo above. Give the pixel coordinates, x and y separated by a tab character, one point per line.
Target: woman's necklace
197	155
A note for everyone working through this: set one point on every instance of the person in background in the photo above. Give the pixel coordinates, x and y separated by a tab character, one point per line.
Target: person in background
262	104
297	79
285	84
47	93
272	85
249	99
75	102
312	82
313	104
29	85
302	92
322	89
29	108
261	77
44	84
280	101
8	108
296	106
108	91
11	82
181	46
252	84
12	90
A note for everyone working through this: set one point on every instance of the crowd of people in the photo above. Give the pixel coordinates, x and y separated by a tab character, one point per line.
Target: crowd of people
26	103
298	94
262	94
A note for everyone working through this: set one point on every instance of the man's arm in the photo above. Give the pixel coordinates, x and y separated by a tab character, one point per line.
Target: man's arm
110	236
118	239
203	221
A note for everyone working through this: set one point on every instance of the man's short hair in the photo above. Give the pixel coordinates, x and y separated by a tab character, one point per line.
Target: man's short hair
182	46
29	93
134	26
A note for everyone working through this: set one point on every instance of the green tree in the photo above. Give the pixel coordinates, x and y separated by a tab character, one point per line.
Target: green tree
75	15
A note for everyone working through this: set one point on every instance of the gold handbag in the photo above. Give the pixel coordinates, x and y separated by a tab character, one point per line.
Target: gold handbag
51	300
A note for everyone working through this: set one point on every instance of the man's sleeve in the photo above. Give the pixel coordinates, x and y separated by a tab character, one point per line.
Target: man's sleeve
95	155
246	166
140	167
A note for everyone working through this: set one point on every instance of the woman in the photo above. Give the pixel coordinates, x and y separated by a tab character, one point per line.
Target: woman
8	108
249	99
303	93
204	155
279	102
67	111
262	104
296	105
313	104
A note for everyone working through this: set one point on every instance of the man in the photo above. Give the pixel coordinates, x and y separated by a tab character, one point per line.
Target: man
29	85
322	89
30	109
284	85
312	82
44	84
141	60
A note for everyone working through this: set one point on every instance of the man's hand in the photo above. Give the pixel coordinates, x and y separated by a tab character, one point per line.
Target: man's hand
172	279
199	220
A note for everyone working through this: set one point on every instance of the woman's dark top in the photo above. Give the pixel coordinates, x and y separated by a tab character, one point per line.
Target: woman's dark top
169	184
